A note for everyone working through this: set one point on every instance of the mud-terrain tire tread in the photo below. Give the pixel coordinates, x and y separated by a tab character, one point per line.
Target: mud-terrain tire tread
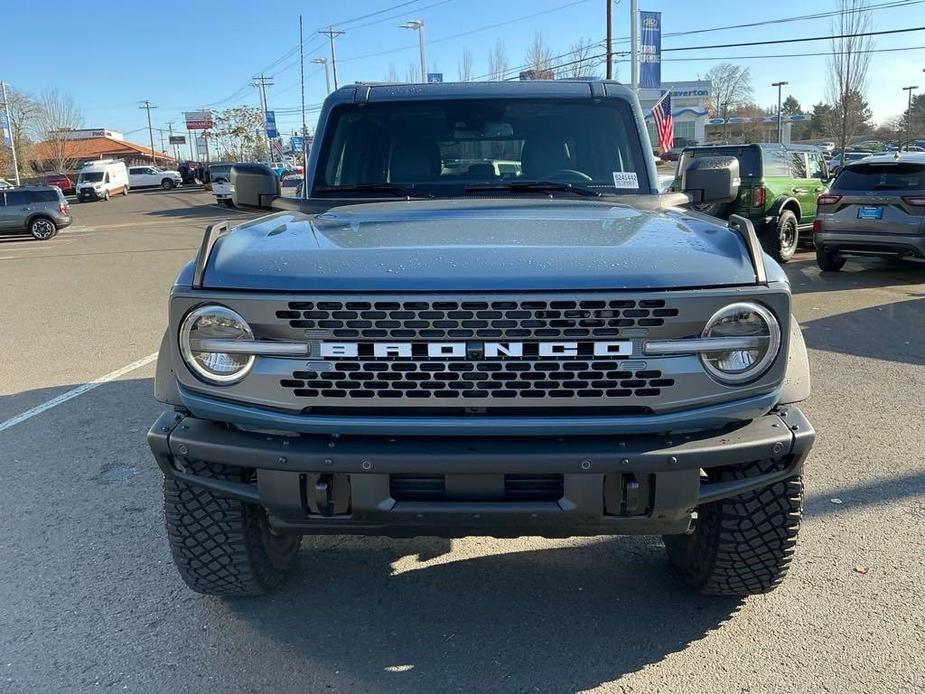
742	545
217	542
774	244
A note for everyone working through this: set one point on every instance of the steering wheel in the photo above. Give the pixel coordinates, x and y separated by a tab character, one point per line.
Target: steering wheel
566	175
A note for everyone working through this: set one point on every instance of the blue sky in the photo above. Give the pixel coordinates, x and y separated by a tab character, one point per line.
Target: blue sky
185	56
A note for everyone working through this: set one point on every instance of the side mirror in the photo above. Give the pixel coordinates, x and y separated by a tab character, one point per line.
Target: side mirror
711	179
253	185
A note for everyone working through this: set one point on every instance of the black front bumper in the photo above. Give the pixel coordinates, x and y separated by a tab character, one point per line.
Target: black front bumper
488	486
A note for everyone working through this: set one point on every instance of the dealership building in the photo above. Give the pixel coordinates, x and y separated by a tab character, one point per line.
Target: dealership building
689	103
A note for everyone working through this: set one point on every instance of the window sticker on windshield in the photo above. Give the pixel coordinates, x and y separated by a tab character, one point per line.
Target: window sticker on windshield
625	179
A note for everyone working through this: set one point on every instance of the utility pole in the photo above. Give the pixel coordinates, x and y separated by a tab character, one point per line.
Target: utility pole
146	105
262	83
634	44
302	80
160	131
418	25
907	123
327	79
609	39
9	123
332	34
176	154
780	123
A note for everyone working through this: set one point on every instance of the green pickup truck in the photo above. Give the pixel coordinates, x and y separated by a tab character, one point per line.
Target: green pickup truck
778	190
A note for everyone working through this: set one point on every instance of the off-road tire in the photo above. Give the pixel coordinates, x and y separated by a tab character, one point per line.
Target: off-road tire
782	240
742	545
167	184
829	262
222	546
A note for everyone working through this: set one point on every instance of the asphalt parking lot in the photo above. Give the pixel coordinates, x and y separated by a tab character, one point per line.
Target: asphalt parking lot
89	599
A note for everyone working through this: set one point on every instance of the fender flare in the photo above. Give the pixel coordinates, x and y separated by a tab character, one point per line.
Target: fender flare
796	385
783	201
165	380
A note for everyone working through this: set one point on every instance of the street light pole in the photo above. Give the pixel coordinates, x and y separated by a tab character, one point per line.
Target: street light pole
327	78
780	126
634	44
9	123
609	39
418	24
908	120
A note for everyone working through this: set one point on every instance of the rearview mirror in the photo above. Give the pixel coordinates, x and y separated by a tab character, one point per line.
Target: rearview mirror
711	179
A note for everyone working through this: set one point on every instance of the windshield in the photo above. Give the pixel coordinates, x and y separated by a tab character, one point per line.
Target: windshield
91	177
749	161
881	177
439	148
220	170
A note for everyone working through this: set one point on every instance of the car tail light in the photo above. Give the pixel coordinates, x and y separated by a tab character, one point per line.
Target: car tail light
828	199
758	196
914	200
817	226
64	208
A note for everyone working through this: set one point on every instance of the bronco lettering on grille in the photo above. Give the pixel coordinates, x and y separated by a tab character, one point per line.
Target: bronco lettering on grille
474	350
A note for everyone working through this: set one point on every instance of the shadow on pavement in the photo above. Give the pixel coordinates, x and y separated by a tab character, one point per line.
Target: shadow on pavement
891	332
858	273
877	492
561	619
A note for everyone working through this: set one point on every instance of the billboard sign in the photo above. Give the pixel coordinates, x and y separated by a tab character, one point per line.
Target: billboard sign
177	139
271	124
198	120
296	143
650	50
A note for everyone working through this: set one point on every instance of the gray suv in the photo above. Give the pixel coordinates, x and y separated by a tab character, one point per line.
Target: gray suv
38	210
875	207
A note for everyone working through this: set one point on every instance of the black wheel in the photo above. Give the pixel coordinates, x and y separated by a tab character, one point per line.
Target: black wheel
781	241
223	546
829	262
167	184
714	209
42	228
124	191
228	202
742	545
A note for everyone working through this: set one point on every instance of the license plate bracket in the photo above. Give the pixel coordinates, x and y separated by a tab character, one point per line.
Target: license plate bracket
870	212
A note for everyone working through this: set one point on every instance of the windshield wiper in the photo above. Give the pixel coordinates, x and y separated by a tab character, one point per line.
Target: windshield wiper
400	191
533	187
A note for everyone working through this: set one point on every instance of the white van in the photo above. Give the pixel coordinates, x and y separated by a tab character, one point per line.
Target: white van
101	179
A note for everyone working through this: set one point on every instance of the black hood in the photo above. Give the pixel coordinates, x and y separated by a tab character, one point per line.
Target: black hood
479	245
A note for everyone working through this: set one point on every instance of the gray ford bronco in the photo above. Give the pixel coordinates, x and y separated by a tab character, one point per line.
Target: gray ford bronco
484	319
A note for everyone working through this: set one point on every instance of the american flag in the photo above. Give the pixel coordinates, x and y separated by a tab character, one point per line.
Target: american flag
664	125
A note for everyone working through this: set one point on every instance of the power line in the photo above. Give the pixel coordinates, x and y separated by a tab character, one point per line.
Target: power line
798	40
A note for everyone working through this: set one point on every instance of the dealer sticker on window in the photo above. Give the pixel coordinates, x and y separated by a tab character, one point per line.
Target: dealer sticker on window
625	179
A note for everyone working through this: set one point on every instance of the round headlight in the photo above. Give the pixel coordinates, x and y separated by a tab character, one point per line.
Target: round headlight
741	364
210	323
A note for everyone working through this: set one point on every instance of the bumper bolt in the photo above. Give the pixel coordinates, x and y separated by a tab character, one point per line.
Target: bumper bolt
183	449
281	460
585	464
366	465
327	461
673	460
778	447
625	461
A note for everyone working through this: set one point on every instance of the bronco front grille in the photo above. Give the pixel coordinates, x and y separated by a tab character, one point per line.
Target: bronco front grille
508	319
493	380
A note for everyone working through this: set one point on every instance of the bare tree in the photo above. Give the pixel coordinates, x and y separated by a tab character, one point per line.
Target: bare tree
848	67
57	115
393	74
411	74
23	110
579	62
238	134
731	88
464	66
539	58
497	62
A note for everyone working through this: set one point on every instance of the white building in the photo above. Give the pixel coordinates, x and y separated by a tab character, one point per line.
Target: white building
689	101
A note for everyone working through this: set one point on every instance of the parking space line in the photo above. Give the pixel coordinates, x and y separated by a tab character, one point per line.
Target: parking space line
75	392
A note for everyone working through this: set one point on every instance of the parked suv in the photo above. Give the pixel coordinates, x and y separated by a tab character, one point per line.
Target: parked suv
875	207
778	190
38	210
152	177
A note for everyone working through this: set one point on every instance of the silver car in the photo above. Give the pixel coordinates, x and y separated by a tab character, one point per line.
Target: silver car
874	207
37	210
